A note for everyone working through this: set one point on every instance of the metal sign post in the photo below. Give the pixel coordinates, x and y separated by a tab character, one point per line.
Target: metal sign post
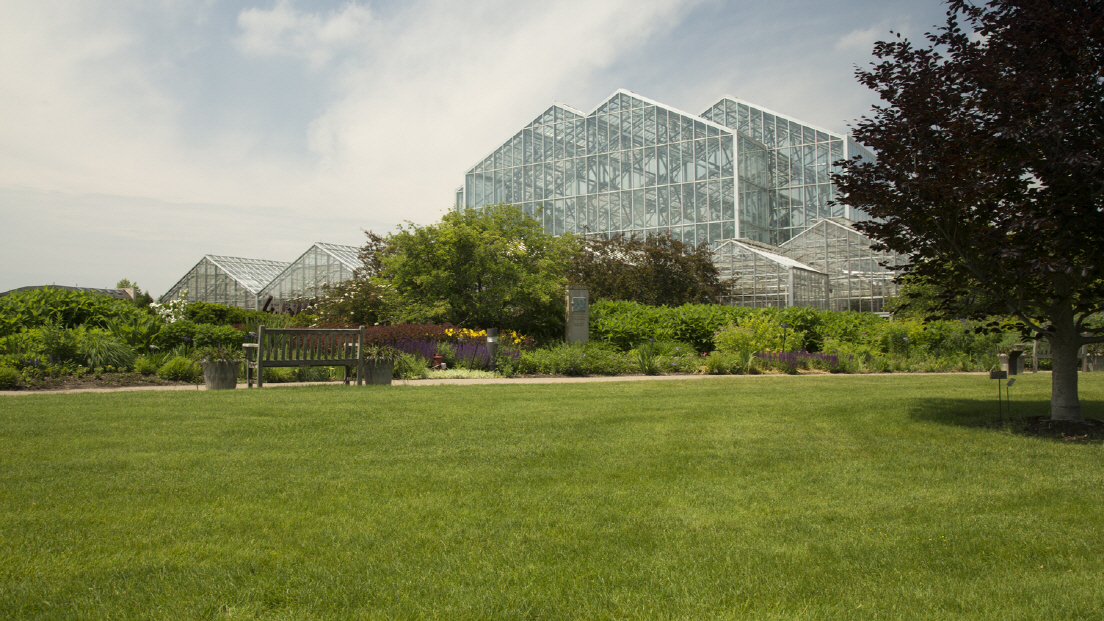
1000	375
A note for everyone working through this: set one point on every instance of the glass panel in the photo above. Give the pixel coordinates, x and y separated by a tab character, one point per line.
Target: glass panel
757	124
661	126
699	130
810	134
650	171
675	199
726	155
592	214
782	136
527	184
700	169
836	153
638	127
728	202
569	216
768	130
605	215
689	209
637	169
592	174
795	166
662	178
821	137
601	135
603	172
674	123
730	114
675	166
713	190
638	209
713	157
701	202
650	208
649	126
626	211
687	128
549	143
615	170
664	203
592	135
822	163
743	120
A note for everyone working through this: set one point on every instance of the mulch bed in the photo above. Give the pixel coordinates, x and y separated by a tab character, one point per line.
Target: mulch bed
1092	430
105	380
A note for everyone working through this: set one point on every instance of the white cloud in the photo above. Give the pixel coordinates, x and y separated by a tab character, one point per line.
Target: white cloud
282	30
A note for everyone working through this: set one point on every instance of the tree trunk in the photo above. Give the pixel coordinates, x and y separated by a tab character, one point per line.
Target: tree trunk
1064	343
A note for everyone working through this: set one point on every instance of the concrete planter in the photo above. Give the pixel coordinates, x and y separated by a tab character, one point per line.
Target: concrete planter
221	374
378	371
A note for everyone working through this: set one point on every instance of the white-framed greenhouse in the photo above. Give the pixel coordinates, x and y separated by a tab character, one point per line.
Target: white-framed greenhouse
859	278
234	281
756	274
308	276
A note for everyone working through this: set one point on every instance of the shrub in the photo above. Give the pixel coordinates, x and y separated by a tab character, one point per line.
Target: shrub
9	378
105	350
590	358
411	366
180	369
147	365
756	333
176	334
35	308
60	344
208	335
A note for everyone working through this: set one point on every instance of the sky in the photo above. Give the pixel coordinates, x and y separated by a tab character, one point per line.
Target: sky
137	136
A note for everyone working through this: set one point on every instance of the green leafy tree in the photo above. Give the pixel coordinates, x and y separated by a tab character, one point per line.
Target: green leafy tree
481	269
657	270
989	171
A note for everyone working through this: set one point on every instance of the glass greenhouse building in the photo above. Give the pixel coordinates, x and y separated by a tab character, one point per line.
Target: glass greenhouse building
233	281
261	284
756	275
859	278
634	165
307	277
737	171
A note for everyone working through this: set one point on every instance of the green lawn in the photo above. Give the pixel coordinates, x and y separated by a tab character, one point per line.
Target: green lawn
829	497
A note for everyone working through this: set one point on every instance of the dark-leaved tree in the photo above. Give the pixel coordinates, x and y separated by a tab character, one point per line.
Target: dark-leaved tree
989	171
658	270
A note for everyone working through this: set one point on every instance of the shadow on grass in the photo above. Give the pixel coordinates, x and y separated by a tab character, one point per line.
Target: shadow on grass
1029	418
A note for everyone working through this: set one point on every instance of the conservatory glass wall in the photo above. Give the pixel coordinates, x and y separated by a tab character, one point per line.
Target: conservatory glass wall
233	281
634	165
751	275
307	277
631	166
800	159
860	278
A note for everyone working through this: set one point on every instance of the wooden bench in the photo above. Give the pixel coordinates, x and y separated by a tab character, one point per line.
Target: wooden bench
1040	350
305	347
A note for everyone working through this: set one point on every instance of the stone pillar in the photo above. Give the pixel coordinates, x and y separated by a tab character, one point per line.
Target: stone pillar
578	314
